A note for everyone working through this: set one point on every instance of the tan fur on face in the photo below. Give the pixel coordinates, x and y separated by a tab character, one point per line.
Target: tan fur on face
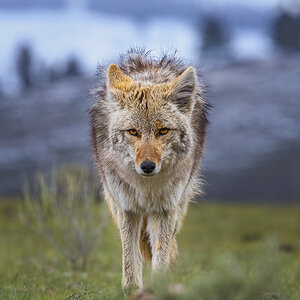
135	96
148	150
132	94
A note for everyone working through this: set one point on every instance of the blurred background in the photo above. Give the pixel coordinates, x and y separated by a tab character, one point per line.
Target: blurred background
249	53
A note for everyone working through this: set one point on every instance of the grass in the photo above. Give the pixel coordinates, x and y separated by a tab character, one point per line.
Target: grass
227	252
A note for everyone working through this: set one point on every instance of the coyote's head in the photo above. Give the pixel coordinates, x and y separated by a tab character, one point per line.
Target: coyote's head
150	124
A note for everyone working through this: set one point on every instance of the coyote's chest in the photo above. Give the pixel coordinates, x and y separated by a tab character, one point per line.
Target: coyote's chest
147	196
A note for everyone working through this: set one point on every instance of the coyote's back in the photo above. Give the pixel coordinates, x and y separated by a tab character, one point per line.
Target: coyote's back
148	128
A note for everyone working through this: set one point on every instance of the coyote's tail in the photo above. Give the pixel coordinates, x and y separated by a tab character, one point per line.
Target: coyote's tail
145	242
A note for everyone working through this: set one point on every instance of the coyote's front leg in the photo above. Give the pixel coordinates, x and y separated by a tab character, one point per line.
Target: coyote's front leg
130	225
162	228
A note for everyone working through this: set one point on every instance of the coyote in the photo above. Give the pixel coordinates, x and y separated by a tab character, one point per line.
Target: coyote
148	127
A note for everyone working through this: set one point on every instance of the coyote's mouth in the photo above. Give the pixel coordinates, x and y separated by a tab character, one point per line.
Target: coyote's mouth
148	175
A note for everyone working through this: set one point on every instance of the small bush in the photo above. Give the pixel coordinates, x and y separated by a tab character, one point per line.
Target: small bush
66	214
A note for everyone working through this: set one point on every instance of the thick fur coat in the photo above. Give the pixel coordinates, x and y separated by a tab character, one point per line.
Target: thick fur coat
148	126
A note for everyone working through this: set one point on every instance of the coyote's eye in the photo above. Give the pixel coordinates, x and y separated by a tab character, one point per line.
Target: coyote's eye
132	132
163	131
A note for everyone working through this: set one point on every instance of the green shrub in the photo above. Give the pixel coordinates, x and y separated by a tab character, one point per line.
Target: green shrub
66	214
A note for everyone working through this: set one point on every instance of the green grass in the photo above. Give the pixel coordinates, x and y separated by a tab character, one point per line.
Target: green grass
227	252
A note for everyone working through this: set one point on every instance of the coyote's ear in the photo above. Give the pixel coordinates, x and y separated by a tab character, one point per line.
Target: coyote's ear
117	80
181	90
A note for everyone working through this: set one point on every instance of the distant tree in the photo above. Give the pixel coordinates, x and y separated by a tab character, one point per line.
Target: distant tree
1	90
24	66
73	68
287	31
54	74
214	35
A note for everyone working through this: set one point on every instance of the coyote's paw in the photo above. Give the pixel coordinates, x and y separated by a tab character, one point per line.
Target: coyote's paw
142	294
129	289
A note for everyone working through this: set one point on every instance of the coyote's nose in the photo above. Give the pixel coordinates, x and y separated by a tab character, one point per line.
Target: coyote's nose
148	166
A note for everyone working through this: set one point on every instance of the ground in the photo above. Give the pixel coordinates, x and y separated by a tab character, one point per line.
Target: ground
227	252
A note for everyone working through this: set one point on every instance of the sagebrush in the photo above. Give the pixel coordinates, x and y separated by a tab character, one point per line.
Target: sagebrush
67	213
